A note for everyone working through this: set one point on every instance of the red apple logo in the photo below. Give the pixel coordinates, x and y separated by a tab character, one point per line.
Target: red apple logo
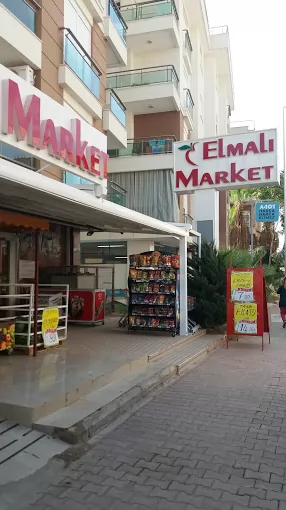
189	149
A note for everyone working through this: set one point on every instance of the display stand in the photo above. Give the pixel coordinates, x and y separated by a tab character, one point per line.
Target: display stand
247	313
154	292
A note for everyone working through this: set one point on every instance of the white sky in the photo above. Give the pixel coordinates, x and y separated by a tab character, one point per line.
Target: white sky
258	50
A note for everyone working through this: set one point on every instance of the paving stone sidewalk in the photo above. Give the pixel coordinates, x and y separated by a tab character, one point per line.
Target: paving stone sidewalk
214	440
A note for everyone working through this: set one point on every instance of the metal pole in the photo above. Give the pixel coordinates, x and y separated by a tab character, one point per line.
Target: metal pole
251	229
284	160
36	295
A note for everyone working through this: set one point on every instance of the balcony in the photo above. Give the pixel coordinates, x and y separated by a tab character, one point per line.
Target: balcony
143	155
152	26
116	194
151	88
19	44
96	8
79	75
188	109
187	51
115	34
114	120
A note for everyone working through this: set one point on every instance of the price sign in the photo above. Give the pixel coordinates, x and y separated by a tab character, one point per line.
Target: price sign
245	318
50	321
242	286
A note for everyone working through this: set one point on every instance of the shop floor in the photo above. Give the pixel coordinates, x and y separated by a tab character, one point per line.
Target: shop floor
90	358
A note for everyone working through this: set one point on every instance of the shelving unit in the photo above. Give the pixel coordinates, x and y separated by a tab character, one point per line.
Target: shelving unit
154	292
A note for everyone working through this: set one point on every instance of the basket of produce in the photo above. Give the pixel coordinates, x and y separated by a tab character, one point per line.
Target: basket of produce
7	337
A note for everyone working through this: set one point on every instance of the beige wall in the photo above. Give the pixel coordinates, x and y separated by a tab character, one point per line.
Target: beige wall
158	124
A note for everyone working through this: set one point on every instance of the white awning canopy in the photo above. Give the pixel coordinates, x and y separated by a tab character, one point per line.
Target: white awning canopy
25	191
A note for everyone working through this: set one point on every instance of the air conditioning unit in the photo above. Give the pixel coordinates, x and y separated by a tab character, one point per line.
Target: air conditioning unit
25	72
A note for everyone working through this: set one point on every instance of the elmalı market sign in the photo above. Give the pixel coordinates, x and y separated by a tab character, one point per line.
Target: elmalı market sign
227	162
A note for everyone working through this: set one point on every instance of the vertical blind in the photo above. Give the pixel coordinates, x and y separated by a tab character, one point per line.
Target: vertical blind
150	193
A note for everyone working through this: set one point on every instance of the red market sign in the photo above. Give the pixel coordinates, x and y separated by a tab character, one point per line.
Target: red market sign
67	146
234	161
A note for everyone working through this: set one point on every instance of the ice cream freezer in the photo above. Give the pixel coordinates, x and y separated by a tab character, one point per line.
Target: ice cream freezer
87	306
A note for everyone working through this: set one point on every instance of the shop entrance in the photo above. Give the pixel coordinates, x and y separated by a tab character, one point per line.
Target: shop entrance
8	272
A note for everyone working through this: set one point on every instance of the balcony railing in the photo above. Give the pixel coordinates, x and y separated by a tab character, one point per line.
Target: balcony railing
23	11
187	43
145	146
150	9
189	102
116	194
117	108
81	63
117	19
147	76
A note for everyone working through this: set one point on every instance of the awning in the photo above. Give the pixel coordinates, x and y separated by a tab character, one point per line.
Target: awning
22	221
25	191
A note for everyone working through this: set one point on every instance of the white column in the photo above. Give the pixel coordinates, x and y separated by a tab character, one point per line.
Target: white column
183	287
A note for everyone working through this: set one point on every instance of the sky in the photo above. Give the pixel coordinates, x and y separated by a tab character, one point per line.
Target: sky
258	51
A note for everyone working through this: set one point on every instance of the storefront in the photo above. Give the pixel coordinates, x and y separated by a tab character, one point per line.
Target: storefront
40	216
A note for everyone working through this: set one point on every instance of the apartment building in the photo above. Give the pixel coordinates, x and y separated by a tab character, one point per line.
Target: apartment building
177	85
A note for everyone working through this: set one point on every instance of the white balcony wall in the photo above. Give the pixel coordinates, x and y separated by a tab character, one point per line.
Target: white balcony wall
197	84
211	113
143	163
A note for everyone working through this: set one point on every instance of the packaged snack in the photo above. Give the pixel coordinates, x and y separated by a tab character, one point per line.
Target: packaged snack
156	258
143	260
133	273
156	288
162	287
172	323
149	323
131	320
167	289
150	287
164	275
147	299
139	274
150	311
145	275
133	260
172	275
161	299
173	289
155	323
157	275
176	261
137	321
151	275
143	322
149	260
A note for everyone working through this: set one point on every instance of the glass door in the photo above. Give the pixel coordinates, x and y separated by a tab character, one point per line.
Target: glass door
4	272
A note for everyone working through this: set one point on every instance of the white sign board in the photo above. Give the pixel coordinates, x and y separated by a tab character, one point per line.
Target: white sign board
35	123
227	162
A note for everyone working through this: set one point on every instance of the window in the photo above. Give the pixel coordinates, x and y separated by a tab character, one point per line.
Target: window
78	24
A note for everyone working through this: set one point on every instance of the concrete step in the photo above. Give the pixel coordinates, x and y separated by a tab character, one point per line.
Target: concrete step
82	419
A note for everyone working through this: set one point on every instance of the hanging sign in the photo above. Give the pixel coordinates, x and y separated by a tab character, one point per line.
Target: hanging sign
50	321
241	286
266	211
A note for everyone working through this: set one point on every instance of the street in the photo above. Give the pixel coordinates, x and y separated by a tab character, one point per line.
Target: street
216	439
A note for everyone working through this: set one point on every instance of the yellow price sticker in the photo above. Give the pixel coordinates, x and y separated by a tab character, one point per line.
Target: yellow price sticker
50	319
245	312
240	280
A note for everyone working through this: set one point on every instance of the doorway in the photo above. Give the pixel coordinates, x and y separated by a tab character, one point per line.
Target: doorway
8	269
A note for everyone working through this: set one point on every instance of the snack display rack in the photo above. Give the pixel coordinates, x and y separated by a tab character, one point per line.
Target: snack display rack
154	292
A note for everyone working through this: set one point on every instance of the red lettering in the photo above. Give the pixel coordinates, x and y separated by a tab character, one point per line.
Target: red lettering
262	143
207	149
221	177
193	176
49	138
25	121
236	175
271	145
206	178
234	150
66	145
80	146
251	147
220	148
104	159
267	171
253	174
93	159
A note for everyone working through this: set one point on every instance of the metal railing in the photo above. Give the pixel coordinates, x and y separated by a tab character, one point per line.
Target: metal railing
145	76
80	62
189	101
117	19
23	11
187	43
116	193
150	9
145	146
117	107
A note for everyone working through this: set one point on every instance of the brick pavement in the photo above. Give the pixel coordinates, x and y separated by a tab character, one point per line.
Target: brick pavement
214	440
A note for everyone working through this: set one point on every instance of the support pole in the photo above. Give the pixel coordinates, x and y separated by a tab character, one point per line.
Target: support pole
183	287
284	160
36	295
251	229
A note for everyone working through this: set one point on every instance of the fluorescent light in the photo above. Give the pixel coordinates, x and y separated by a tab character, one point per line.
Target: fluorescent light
121	257
111	246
